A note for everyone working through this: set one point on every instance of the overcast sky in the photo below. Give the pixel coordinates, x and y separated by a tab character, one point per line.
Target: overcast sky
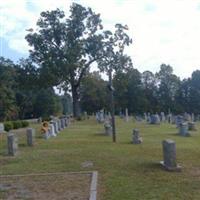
163	31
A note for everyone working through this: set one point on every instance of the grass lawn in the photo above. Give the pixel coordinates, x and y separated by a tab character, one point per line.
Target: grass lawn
126	171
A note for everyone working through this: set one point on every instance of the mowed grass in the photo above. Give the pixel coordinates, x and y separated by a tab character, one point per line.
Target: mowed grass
126	171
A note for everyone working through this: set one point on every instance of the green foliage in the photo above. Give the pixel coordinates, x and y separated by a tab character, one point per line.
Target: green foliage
8	126
24	124
8	108
93	92
17	124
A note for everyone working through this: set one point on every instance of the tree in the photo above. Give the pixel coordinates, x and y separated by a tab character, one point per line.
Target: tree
150	88
93	93
8	108
168	86
115	60
64	49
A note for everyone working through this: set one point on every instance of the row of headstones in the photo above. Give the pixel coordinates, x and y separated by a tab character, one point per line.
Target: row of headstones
55	127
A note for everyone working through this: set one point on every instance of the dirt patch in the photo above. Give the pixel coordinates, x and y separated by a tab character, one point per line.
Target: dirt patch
52	187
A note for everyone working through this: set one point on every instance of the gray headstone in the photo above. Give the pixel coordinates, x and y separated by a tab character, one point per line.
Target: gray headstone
136	137
169	155
155	119
12	144
30	134
183	129
1	128
179	121
55	124
59	125
52	130
126	115
108	128
62	123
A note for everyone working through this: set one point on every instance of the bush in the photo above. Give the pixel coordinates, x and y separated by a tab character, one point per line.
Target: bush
25	124
8	126
46	119
17	124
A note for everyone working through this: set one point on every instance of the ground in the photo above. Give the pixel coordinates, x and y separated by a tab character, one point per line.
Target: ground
126	171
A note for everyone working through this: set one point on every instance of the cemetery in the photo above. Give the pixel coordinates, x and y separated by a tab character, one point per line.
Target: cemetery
126	169
86	112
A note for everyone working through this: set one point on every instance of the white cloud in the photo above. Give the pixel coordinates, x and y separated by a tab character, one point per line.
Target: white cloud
162	31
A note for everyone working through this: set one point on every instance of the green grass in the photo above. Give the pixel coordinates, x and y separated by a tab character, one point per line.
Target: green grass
126	171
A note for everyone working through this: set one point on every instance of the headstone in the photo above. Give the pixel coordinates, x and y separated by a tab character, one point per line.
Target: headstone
62	120
55	124
155	119
136	137
59	125
169	118
126	115
30	134
179	120
1	128
192	117
149	118
108	128
101	116
12	144
66	121
52	130
162	114
183	129
169	154
192	126
145	116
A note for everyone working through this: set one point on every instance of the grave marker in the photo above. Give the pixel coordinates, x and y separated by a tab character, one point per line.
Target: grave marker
169	155
12	144
30	134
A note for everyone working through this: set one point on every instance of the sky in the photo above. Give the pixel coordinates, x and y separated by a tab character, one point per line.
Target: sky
164	31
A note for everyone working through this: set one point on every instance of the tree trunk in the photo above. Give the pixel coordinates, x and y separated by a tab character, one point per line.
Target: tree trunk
76	105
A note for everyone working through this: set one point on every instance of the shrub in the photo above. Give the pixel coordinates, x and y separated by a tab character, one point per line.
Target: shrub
46	119
8	126
25	123
17	124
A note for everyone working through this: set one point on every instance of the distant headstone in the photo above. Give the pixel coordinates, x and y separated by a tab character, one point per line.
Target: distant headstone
155	119
30	134
136	137
101	116
192	126
55	124
183	129
62	120
169	154
162	114
169	118
1	128
12	144
52	130
108	128
192	117
145	116
179	120
126	115
59	125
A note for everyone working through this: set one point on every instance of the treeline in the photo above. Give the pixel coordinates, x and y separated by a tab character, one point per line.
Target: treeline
143	92
24	95
24	92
